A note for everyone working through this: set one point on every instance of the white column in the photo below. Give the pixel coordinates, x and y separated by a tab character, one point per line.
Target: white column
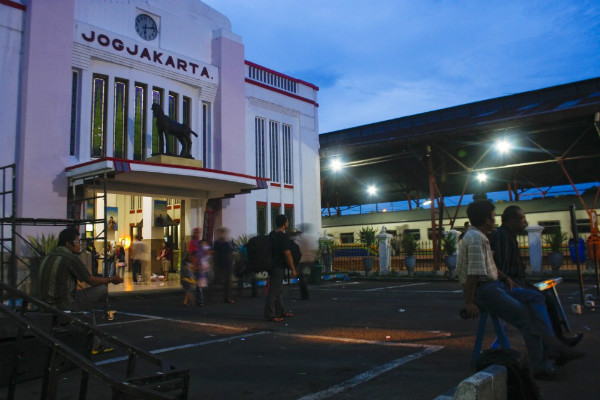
384	251
535	247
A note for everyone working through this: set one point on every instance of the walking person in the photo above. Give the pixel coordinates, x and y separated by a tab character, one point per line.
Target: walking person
223	257
137	250
308	243
282	258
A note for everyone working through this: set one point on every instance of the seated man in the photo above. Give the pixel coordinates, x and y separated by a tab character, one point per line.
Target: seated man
62	268
508	260
486	287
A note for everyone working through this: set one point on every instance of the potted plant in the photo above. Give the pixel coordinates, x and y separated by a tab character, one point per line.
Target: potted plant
41	246
368	236
409	246
326	246
555	240
449	247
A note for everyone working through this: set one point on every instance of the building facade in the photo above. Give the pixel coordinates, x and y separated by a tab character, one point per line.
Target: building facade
80	80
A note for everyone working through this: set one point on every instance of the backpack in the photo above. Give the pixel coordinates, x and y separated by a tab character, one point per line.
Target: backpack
259	254
519	379
296	253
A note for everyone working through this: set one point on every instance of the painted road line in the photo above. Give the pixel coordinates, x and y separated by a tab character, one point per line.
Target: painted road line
181	321
368	375
186	346
395	287
360	341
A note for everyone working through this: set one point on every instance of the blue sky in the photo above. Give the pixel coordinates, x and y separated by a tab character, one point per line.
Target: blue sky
382	59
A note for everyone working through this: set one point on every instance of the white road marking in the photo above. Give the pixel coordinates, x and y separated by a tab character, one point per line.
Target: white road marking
368	375
395	287
181	321
185	346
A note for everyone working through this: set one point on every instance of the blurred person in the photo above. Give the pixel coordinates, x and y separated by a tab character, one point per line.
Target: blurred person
188	279
308	243
508	260
282	259
202	271
488	288
120	260
164	256
137	251
223	259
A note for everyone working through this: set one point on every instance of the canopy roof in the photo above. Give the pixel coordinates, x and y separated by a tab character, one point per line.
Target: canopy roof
547	128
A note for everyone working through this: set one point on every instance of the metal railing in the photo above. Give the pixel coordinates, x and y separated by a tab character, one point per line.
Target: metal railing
165	381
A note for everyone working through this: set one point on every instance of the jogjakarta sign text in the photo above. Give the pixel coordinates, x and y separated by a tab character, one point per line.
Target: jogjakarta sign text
99	39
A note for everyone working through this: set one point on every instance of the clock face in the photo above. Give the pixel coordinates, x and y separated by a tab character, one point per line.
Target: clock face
146	27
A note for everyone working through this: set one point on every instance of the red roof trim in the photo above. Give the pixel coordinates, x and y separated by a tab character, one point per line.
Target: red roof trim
276	184
288	186
163	165
283	92
288	206
275	204
13	5
281	75
261	203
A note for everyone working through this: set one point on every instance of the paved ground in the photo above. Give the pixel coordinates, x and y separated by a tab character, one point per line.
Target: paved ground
351	340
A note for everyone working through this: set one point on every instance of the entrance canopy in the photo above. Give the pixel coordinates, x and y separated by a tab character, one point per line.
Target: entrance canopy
153	179
534	139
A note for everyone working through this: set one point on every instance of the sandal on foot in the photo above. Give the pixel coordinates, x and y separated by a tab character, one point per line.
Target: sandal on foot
276	319
288	315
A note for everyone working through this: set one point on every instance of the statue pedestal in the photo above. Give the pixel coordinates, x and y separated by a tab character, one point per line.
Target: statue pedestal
171	160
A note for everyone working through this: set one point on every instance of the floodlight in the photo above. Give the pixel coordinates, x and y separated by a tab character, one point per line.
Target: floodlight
372	190
503	146
481	177
336	164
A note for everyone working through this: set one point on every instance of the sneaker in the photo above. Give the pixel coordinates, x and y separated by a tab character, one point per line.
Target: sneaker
101	349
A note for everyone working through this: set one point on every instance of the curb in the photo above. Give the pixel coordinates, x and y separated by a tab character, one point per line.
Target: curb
487	384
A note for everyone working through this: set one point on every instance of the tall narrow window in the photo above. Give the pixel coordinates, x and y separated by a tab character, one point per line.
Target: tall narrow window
259	130
157	96
288	211
288	177
120	119
275	211
261	219
172	143
74	112
186	104
99	94
139	123
274	138
206	134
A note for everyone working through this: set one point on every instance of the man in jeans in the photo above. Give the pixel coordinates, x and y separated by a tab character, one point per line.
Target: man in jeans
62	268
486	287
282	258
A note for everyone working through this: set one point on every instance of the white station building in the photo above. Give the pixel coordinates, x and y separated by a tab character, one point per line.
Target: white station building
79	78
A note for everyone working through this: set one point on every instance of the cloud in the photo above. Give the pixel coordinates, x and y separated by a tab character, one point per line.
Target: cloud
383	59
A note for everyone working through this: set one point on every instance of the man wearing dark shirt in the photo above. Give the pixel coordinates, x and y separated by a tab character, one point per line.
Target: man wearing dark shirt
282	258
508	260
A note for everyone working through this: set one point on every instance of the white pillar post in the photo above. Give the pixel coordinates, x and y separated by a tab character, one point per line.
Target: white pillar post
384	251
534	232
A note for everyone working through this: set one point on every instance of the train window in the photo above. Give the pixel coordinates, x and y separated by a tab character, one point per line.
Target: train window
583	226
549	226
415	232
430	235
347	237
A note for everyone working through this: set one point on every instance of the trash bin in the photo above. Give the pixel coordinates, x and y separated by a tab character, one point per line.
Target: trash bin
315	273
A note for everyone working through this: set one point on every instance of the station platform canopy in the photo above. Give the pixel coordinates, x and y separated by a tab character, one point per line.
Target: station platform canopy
551	137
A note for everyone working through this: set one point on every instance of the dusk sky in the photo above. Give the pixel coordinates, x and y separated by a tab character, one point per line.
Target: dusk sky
383	59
